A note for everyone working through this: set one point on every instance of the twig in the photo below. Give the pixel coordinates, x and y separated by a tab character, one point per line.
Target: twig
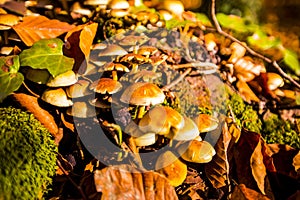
251	51
30	91
176	81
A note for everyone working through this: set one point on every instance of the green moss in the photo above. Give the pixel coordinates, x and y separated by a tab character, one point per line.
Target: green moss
245	115
276	130
27	155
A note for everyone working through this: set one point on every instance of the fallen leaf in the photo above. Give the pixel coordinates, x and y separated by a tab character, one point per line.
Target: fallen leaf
241	192
31	104
78	44
246	92
126	182
217	170
47	54
258	168
35	28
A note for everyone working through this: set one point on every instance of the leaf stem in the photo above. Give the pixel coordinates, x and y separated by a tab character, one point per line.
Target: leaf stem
30	91
251	51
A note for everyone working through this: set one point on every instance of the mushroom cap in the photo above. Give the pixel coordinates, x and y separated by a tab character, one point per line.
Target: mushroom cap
134	58
174	6
65	79
142	93
96	102
206	122
140	138
115	66
131	40
162	120
147	50
8	20
113	50
77	8
81	110
118	5
274	81
56	97
79	89
188	132
106	85
95	2
196	151
172	168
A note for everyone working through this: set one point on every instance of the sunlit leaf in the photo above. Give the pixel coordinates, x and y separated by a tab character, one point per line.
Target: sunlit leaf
34	28
172	23
203	19
241	192
235	23
10	78
263	41
47	54
291	60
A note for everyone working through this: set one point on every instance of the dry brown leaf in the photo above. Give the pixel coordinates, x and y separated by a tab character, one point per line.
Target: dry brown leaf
34	28
246	92
241	192
217	170
31	104
258	168
126	182
79	40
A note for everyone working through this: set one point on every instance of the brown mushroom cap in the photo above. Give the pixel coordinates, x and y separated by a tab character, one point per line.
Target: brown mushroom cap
141	93
206	122
99	103
147	50
118	4
79	89
115	66
188	132
274	81
56	97
65	79
81	110
140	138
174	6
106	85
172	168
113	50
196	151
162	120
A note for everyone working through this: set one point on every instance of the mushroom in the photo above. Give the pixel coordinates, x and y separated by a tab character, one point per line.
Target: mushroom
142	94
274	81
189	131
206	122
162	120
56	97
174	6
112	50
134	60
114	68
172	168
65	79
102	4
119	8
77	11
104	87
81	110
147	51
6	23
140	138
79	89
196	151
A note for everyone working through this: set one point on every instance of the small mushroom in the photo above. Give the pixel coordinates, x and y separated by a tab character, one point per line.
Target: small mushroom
196	151
140	138
206	122
119	8
172	168
134	60
174	6
114	68
77	11
162	120
106	85
112	50
79	89
274	81
56	97
6	23
65	79
189	131
81	110
147	51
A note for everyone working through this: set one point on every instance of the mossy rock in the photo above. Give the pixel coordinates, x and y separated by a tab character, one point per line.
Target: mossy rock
27	156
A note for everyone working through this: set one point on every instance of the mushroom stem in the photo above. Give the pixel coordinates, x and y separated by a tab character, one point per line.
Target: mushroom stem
141	112
114	75
134	68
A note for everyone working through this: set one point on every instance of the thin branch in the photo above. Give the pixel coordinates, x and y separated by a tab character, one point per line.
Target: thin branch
176	81
251	51
30	91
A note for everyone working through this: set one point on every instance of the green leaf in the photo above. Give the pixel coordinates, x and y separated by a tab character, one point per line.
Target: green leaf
9	64
263	41
47	54
203	19
235	23
10	82
173	23
290	58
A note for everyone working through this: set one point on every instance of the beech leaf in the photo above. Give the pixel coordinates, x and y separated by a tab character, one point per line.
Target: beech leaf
35	28
258	168
10	78
47	54
241	192
217	170
126	182
78	43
